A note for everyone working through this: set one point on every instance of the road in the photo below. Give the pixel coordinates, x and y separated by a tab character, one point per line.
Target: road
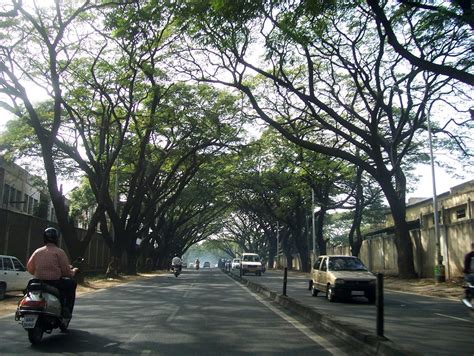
427	325
201	312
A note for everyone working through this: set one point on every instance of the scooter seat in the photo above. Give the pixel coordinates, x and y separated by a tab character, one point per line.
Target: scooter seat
38	285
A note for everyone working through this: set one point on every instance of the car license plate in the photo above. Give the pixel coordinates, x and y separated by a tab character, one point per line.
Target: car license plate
357	293
29	321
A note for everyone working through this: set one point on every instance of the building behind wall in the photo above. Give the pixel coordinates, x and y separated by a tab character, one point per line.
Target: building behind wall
20	193
456	229
26	210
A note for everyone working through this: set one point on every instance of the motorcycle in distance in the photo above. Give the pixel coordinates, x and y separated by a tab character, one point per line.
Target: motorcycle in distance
40	310
176	270
469	288
197	264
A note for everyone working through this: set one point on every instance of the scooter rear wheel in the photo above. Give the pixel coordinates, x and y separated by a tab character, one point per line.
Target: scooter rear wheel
35	335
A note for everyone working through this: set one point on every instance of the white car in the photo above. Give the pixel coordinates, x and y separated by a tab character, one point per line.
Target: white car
251	263
236	263
13	275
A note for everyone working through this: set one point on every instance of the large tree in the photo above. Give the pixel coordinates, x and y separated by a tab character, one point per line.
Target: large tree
40	45
327	69
430	24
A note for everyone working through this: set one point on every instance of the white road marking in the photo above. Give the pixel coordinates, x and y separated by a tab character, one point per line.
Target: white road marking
420	295
455	318
173	314
327	345
186	293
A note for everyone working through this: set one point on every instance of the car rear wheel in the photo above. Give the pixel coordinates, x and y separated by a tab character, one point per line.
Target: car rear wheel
330	294
3	290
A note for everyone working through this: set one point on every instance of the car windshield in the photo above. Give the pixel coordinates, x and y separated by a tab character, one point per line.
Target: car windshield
346	264
251	258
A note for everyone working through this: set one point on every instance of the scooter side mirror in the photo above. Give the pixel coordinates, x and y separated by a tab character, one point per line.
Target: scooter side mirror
78	261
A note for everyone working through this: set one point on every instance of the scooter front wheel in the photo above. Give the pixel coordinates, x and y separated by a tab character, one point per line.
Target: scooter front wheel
35	335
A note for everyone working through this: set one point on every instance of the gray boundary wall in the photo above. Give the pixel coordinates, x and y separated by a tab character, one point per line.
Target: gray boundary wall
21	234
379	253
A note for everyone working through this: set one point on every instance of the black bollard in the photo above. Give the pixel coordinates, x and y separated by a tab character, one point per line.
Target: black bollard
379	305
285	279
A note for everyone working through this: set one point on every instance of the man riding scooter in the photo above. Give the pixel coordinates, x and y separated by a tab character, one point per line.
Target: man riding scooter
50	263
176	263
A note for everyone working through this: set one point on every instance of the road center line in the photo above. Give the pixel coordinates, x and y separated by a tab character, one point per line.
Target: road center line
454	317
327	345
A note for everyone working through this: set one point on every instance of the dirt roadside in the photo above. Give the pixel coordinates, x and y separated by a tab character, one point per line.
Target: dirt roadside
9	304
451	289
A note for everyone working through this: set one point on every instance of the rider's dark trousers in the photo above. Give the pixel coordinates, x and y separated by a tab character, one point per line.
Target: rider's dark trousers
67	290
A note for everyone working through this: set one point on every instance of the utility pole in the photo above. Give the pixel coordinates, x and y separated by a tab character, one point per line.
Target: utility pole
439	268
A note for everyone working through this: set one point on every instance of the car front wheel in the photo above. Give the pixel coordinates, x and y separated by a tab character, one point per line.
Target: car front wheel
314	291
330	294
371	297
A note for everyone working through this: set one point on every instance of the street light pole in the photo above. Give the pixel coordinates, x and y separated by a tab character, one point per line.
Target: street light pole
439	269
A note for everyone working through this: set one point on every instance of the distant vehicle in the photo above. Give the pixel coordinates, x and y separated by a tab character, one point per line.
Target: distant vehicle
250	263
206	265
236	263
342	276
13	275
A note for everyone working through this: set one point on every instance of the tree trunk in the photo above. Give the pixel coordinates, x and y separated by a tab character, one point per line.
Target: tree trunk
113	269
132	257
321	242
355	237
302	246
272	243
396	201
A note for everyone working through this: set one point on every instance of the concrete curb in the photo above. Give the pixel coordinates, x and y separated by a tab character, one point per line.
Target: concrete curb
370	343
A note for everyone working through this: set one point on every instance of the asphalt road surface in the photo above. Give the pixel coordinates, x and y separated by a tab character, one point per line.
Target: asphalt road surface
201	312
427	325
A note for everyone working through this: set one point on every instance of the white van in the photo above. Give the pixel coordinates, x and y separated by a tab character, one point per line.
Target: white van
13	275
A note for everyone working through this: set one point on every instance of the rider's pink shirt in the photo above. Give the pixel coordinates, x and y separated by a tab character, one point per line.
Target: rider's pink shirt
49	263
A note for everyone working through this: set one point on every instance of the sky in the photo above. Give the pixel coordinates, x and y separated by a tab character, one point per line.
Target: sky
444	181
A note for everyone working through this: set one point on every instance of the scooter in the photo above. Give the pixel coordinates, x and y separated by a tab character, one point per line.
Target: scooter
467	300
40	310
